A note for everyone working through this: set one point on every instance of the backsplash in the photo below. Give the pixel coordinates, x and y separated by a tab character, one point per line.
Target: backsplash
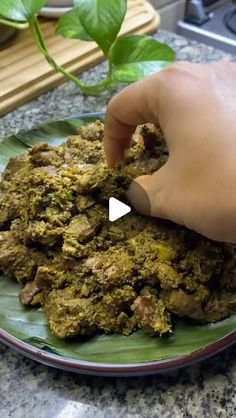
170	12
161	3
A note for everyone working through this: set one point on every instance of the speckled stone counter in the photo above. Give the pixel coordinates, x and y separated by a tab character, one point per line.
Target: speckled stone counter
31	390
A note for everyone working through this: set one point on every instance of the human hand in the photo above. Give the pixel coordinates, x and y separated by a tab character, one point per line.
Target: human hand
195	106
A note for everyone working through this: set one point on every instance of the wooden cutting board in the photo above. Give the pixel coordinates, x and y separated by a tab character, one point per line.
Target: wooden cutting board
25	74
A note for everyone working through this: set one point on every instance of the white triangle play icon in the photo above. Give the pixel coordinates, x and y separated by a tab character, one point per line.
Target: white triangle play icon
117	209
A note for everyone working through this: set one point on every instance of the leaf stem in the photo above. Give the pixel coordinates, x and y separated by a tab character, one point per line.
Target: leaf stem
110	70
16	25
39	39
104	85
93	89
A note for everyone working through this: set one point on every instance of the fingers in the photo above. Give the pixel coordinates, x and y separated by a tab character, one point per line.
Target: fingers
153	100
152	195
139	194
117	136
157	195
132	107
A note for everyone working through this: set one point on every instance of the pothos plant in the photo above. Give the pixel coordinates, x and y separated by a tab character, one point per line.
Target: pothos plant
130	57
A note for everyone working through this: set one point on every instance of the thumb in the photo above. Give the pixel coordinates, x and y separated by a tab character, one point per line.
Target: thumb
154	195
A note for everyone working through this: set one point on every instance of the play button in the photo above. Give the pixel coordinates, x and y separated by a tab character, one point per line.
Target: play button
117	209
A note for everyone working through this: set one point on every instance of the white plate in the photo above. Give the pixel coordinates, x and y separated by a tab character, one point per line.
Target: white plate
54	11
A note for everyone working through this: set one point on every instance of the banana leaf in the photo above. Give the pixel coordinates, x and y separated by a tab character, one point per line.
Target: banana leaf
55	133
30	325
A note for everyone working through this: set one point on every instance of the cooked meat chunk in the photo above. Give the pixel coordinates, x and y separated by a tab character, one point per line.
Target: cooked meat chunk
68	314
15	259
219	306
88	274
43	155
159	273
4	217
151	315
183	304
85	227
204	261
15	165
43	233
28	292
92	132
112	268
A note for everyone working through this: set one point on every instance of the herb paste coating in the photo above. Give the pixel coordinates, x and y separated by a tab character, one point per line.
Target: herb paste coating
88	274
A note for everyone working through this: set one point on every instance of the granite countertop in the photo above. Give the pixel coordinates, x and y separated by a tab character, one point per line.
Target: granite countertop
32	390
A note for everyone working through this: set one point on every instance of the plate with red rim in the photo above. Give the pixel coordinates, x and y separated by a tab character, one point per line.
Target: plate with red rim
112	369
27	331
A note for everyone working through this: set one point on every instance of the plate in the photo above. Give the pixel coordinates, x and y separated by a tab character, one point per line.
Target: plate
54	11
26	330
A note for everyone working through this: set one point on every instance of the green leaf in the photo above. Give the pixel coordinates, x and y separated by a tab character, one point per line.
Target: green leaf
69	26
20	9
128	73
139	48
30	325
137	56
102	19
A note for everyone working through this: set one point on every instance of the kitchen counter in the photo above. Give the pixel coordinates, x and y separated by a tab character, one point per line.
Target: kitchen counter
32	390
